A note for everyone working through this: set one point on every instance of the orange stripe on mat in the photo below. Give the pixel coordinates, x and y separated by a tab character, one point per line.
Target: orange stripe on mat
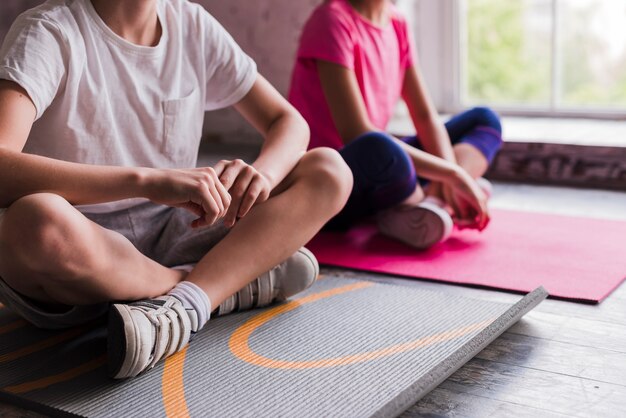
41	345
239	341
57	378
173	386
12	326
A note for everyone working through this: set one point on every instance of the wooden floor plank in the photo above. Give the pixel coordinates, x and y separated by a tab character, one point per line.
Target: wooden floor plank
443	402
574	360
584	332
558	393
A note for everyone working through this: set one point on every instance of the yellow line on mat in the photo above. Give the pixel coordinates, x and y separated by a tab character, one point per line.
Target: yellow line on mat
57	378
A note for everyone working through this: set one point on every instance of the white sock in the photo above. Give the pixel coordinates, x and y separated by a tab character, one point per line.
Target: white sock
193	297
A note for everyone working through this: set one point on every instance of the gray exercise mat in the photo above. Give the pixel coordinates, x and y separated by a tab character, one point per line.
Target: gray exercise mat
343	348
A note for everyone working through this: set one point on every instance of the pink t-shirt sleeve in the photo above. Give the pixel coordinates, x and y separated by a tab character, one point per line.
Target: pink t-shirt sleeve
328	36
407	45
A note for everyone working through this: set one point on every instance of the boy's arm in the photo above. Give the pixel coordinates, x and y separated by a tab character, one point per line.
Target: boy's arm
285	132
24	174
286	137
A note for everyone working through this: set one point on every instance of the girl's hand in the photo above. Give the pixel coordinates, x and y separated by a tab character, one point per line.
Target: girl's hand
197	190
467	200
246	185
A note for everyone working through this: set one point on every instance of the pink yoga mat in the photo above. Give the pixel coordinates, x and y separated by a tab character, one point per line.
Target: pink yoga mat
580	259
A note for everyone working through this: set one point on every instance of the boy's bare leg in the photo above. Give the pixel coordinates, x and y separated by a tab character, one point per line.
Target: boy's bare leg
52	253
311	194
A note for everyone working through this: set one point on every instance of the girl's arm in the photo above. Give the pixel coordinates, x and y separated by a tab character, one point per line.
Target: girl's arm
344	99
197	190
286	136
349	113
435	140
433	135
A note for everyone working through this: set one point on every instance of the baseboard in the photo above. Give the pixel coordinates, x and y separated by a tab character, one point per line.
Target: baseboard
561	164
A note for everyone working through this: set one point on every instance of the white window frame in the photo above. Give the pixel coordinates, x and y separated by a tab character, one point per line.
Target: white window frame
438	26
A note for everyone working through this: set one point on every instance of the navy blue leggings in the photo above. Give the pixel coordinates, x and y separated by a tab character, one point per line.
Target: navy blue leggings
384	174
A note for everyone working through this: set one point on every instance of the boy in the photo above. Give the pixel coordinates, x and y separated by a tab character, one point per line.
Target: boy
101	109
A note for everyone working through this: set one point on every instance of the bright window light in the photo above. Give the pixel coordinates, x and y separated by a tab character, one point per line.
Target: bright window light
551	55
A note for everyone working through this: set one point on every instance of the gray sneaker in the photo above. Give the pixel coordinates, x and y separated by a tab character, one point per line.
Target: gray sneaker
421	226
142	333
292	276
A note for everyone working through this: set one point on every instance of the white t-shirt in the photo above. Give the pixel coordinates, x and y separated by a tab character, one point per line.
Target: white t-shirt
103	100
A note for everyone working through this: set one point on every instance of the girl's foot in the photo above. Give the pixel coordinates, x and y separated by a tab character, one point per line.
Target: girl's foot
421	226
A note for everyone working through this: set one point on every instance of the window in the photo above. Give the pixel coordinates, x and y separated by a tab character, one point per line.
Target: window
547	57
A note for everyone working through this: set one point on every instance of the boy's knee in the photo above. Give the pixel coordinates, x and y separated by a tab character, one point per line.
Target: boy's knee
330	172
35	231
485	116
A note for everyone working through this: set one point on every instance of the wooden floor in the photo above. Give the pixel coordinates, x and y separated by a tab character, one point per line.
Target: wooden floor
562	359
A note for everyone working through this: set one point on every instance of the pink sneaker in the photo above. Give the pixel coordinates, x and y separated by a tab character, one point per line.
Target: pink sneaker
421	226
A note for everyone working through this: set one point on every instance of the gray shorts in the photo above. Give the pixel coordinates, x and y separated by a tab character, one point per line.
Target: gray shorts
159	232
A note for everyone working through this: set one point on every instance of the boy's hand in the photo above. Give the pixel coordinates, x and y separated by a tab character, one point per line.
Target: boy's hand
246	186
468	201
197	190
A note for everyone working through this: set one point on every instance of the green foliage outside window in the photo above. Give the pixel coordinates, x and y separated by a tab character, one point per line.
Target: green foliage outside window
509	53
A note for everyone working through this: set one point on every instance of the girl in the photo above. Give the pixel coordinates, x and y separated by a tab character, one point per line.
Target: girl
101	112
354	62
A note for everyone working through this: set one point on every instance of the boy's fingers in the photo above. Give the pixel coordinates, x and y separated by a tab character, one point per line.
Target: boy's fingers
233	208
224	196
193	208
220	167
249	199
217	198
228	176
211	209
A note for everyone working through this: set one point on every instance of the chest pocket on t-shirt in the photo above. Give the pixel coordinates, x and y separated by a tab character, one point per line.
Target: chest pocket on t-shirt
182	129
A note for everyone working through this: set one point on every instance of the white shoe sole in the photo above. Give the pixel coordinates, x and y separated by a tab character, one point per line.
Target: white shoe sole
420	226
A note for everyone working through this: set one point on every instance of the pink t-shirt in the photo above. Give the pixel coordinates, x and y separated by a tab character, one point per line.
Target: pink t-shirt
379	57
